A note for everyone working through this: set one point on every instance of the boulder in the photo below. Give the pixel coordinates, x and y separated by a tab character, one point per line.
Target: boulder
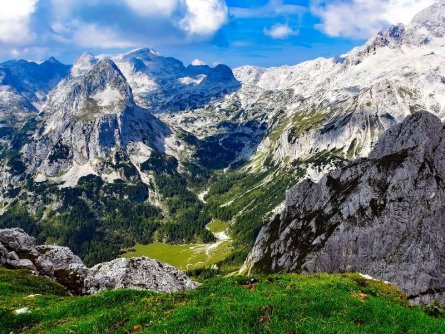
3	254
17	240
19	251
136	273
61	265
21	264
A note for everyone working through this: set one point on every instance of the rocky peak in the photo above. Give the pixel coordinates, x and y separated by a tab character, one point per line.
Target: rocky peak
34	80
89	118
107	85
431	18
143	52
382	216
421	131
52	60
101	90
151	63
83	64
220	75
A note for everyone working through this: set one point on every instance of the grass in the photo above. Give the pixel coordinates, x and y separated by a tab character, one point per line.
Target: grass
276	304
184	257
188	256
217	226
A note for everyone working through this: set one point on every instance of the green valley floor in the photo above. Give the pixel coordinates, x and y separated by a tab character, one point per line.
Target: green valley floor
291	304
190	256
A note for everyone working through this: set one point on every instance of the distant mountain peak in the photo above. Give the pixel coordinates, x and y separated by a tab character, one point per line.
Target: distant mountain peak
52	60
106	66
222	75
142	51
432	16
83	64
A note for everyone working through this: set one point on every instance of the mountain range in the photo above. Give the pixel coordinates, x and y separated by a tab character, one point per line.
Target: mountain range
133	148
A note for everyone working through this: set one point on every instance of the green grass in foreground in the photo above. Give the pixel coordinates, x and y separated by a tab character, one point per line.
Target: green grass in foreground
188	256
277	304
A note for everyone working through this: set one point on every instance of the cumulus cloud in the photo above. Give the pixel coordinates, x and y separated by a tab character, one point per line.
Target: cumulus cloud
14	21
271	9
280	31
363	18
91	36
204	17
198	62
154	7
30	25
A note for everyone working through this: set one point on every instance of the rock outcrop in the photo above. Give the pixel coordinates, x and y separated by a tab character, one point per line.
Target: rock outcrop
383	216
19	251
61	265
138	273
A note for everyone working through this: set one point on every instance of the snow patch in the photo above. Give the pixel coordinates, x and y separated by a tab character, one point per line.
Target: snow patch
40	178
372	278
22	310
71	178
110	178
191	81
107	97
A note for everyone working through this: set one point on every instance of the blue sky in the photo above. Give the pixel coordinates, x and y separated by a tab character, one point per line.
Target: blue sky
234	32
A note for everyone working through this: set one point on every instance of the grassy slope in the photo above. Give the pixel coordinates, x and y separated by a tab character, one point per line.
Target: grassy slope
184	257
277	304
187	256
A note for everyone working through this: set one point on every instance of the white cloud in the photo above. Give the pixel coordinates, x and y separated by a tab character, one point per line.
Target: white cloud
64	25
204	17
280	31
91	36
14	21
154	7
271	9
198	62
363	18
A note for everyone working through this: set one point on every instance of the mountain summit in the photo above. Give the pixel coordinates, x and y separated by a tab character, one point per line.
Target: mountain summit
89	118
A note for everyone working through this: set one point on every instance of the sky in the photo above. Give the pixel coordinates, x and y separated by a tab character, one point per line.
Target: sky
234	32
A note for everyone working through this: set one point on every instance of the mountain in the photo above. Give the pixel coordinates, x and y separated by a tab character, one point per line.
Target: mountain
176	146
382	216
164	83
24	86
88	121
97	172
316	116
34	80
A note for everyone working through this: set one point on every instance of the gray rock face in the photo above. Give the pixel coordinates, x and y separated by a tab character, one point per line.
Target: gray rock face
17	240
61	265
17	263
383	216
88	119
137	273
19	251
3	254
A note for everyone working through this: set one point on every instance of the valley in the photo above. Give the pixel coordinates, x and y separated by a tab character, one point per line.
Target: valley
192	256
334	165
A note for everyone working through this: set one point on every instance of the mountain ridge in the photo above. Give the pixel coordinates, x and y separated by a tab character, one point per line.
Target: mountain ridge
150	130
382	216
